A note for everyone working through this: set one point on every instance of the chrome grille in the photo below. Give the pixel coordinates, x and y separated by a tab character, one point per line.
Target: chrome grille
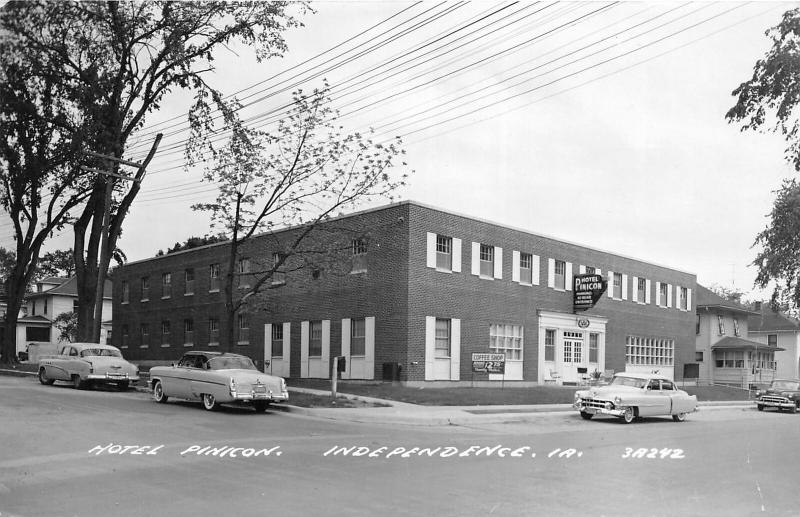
594	403
775	399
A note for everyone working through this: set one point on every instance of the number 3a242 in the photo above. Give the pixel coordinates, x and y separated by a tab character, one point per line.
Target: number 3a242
653	454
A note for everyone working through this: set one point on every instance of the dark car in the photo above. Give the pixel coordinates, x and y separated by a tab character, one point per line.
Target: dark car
781	394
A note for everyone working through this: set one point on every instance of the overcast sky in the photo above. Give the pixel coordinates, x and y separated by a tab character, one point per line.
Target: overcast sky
601	124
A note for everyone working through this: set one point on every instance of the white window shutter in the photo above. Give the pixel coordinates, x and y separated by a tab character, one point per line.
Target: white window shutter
688	299
624	286
287	348
304	333
669	295
431	247
635	289
535	273
498	262
647	291
551	273
430	346
658	294
610	275
515	266
267	344
581	269
455	349
568	276
346	347
369	346
476	264
326	347
598	271
456	255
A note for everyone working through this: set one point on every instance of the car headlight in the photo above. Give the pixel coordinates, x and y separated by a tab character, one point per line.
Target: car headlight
283	384
617	401
232	385
609	405
577	396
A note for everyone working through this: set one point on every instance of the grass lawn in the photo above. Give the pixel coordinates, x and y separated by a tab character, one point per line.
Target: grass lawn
488	396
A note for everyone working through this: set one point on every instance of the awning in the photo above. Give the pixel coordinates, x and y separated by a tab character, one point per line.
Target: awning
739	344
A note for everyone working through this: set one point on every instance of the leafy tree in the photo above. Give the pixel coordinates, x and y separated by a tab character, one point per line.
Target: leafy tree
67	325
60	263
300	174
730	293
193	242
768	101
85	75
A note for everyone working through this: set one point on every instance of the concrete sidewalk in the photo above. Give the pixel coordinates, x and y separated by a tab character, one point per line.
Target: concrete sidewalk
402	413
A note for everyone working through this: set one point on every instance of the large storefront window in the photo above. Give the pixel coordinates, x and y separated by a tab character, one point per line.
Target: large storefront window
648	351
506	339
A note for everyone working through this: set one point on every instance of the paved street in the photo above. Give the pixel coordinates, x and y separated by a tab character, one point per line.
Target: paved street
87	453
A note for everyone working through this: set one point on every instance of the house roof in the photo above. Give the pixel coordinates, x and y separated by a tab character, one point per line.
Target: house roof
770	321
707	299
35	320
737	343
69	287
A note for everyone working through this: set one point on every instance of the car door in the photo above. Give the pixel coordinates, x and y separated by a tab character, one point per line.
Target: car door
176	381
679	401
655	401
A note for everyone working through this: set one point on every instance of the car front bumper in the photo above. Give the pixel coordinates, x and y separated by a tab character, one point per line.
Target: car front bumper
783	404
594	410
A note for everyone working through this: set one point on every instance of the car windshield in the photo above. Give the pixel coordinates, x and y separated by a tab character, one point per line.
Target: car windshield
786	385
93	352
231	363
629	381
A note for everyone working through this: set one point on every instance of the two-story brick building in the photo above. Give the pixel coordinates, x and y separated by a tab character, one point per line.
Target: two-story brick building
423	290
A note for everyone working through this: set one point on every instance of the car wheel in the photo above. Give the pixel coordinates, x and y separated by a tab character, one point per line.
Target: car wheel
586	416
158	393
680	417
44	379
760	407
793	409
209	402
629	415
77	383
260	406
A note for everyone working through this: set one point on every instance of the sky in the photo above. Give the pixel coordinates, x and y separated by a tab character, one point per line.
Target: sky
596	123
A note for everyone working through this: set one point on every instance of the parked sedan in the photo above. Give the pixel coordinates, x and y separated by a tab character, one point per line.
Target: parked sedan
215	378
632	395
84	364
781	394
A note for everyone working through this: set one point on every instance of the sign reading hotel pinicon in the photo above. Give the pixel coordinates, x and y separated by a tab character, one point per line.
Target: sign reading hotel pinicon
489	363
587	290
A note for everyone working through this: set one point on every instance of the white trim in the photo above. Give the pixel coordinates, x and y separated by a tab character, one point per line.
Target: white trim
688	299
326	347
287	348
456	266
535	265
304	334
430	345
658	294
498	262
515	266
610	284
669	296
346	347
568	276
624	290
647	290
455	349
369	346
635	289
551	273
476	259
431	250
581	269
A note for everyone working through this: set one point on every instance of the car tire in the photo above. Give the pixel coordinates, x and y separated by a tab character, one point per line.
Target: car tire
261	406
123	386
629	415
210	402
44	379
680	417
760	407
158	393
793	409
77	383
586	416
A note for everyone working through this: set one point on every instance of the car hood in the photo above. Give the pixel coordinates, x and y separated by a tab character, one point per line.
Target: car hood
609	392
782	393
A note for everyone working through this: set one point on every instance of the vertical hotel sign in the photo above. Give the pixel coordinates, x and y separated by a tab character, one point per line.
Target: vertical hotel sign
587	290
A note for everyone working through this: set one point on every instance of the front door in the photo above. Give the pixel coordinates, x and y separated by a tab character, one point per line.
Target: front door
572	356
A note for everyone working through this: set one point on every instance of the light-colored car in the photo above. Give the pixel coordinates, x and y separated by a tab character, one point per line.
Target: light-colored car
632	395
87	363
215	378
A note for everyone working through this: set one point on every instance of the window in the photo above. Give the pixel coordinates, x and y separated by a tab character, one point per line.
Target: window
278	277
590	270
243	268
358	337
721	324
736	327
126	292
698	356
213	277
549	345
188	331
573	347
667	385
244	328
74	305
144	333
617	294
567	351
663	290
45	306
166	285
487	260
649	351
165	333
772	339
506	339
593	341
728	359
125	336
442	347
526	268
145	288
188	285
560	274
697	325
444	252
37	334
641	290
213	331
359	256
315	339
277	340
683	300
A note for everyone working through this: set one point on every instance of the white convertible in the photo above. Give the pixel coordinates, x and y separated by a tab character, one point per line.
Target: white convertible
215	378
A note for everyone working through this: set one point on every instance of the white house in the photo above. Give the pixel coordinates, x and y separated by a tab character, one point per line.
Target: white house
778	331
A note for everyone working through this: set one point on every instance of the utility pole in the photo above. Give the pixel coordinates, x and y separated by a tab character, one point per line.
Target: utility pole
105	254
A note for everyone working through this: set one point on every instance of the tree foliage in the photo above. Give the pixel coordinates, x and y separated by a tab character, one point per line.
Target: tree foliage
67	325
193	242
84	76
298	175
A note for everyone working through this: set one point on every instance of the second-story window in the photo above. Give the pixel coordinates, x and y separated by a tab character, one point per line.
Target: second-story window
189	281
641	290
166	285
560	274
213	273
278	274
359	255
444	252
617	286
663	289
736	327
487	260
526	268
145	288
721	324
684	299
126	292
244	272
